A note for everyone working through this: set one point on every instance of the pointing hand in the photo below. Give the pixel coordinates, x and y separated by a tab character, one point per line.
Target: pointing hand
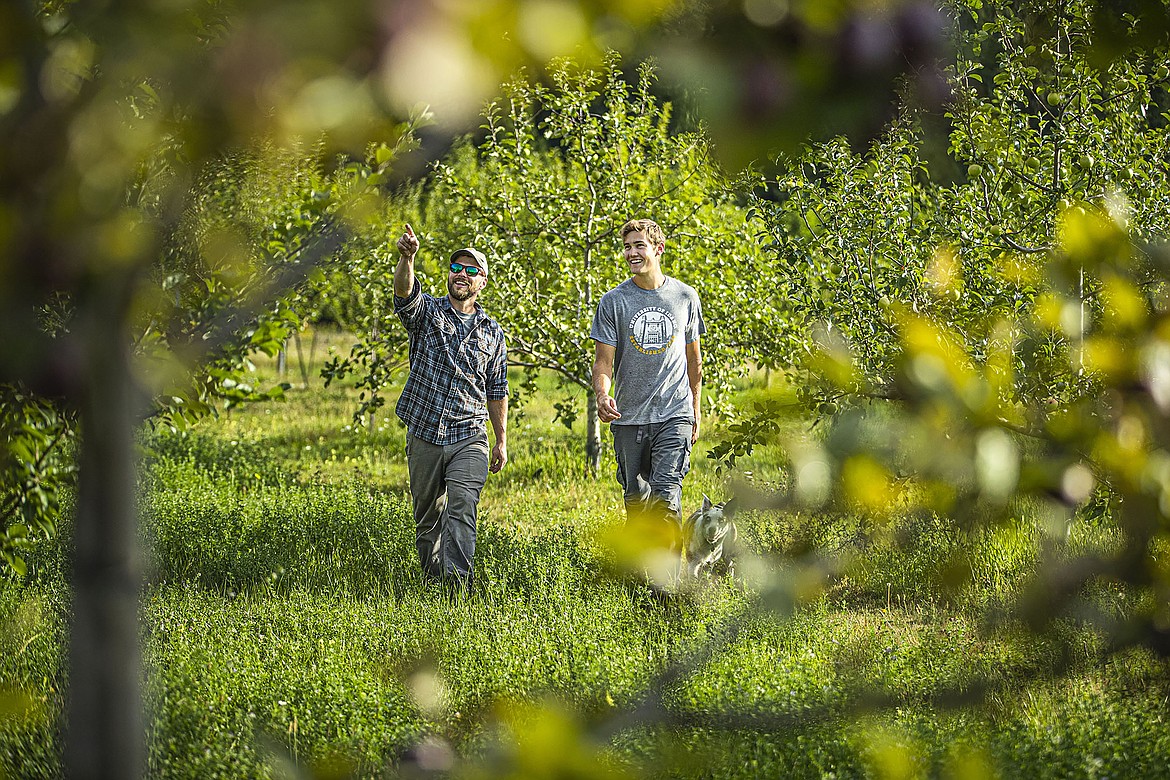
408	244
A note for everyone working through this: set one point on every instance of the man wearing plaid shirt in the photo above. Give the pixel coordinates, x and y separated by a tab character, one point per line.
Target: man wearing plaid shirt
458	378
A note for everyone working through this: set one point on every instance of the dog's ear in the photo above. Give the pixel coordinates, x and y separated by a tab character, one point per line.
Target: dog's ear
706	503
729	507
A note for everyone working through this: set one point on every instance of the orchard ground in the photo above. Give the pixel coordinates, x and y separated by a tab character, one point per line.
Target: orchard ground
287	630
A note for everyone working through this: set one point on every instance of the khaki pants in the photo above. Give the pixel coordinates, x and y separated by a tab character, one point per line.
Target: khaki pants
445	483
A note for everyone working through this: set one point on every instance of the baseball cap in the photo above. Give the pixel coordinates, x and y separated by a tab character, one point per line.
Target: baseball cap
475	255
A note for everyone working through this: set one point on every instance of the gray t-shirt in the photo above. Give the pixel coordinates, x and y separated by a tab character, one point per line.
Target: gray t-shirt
649	330
465	321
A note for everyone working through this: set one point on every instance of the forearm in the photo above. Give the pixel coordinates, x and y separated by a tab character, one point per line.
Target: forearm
602	383
404	276
695	376
498	416
602	378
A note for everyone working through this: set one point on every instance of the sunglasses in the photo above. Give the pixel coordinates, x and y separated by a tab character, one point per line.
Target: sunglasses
472	271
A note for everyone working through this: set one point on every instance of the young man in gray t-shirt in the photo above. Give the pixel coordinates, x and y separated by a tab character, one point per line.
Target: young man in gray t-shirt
646	333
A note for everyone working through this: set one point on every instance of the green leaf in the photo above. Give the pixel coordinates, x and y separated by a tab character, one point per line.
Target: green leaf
17	563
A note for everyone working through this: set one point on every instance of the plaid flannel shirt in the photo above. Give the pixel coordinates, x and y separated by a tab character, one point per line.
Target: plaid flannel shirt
451	377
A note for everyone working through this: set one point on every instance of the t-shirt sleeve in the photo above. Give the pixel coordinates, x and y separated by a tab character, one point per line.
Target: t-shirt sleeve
605	323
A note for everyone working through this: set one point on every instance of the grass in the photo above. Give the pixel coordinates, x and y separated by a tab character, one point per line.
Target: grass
287	630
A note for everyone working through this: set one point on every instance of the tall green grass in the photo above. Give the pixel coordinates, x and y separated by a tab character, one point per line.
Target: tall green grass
287	630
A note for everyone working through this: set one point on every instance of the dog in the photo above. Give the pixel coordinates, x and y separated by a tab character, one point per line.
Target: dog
710	539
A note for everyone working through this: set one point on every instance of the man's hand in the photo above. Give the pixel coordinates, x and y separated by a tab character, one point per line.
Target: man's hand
607	410
695	431
404	271
499	458
408	244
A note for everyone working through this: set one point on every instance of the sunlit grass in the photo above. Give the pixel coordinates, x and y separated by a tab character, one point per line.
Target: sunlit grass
314	435
286	624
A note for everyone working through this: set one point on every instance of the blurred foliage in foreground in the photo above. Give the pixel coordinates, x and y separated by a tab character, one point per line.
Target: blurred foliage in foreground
994	340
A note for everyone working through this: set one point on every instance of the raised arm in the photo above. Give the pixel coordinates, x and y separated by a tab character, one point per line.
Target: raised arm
404	271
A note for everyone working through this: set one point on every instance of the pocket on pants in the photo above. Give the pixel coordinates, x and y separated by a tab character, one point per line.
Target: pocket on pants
620	462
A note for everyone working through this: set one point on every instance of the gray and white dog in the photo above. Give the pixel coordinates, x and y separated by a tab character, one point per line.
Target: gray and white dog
710	538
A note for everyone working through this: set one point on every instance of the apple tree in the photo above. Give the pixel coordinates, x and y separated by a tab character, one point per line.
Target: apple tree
961	232
560	169
1006	291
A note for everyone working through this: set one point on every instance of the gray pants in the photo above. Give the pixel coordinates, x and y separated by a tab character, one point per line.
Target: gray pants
651	463
445	483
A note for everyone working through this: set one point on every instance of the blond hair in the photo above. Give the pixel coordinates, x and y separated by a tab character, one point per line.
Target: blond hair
647	227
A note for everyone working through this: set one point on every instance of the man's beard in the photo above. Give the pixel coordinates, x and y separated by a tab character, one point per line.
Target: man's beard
461	296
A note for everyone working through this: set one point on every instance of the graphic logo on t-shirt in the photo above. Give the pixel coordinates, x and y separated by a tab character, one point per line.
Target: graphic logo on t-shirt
652	330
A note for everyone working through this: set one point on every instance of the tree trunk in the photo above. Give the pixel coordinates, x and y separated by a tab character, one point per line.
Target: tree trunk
313	345
592	436
372	419
105	734
301	359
